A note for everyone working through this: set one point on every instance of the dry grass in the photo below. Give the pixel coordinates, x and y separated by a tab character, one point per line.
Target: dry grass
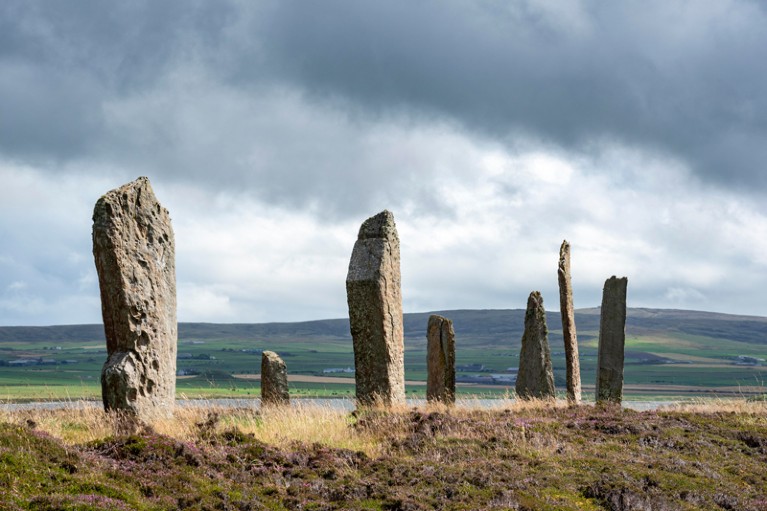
722	405
82	422
283	426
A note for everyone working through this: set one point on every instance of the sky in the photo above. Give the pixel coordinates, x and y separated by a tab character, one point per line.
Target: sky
493	130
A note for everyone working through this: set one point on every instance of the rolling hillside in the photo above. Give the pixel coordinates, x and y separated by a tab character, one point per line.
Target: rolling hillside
667	352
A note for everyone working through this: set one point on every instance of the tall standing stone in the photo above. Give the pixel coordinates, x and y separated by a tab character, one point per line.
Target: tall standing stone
440	360
134	251
573	367
274	380
612	339
535	378
375	313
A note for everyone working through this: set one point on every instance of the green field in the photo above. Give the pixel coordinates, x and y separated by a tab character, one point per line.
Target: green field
668	354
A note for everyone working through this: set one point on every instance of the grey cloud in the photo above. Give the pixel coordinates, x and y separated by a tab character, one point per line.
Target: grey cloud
61	61
46	115
673	77
341	109
124	45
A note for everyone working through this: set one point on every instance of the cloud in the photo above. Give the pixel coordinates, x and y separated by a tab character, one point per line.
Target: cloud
492	129
255	262
270	94
202	304
681	242
684	295
678	78
46	267
656	224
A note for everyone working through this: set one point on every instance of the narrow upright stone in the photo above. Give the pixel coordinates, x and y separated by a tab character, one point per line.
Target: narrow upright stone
535	378
134	251
375	313
612	338
274	380
573	367
440	360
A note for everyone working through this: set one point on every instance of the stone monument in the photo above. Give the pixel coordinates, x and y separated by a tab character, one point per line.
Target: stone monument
274	380
134	251
535	378
375	313
612	339
572	364
440	360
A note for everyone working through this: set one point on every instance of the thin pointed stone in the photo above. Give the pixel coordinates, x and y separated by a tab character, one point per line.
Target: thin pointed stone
274	380
375	313
535	378
440	360
134	252
572	363
612	339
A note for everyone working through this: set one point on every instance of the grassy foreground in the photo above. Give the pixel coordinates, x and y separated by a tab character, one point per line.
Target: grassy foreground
519	456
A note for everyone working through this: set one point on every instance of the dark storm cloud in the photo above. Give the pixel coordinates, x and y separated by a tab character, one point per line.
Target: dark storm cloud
61	61
685	78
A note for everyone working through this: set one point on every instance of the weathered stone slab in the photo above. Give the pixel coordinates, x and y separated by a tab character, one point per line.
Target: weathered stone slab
274	380
440	360
612	339
535	378
375	313
134	251
572	363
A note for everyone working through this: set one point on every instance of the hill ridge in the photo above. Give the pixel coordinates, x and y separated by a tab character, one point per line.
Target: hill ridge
488	323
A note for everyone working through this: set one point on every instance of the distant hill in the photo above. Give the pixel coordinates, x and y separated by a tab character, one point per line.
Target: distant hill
668	352
487	325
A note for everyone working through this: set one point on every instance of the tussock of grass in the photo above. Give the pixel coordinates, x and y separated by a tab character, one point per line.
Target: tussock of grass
78	423
311	424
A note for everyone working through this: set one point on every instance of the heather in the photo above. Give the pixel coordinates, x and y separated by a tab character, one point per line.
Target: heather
516	456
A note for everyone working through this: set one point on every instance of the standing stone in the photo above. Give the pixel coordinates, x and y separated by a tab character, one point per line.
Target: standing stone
535	378
573	367
612	338
375	313
274	380
135	260
440	360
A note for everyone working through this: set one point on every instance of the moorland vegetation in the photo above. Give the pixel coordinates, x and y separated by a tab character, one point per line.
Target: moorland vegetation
516	456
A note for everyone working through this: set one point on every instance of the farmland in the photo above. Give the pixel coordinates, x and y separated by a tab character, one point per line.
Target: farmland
669	354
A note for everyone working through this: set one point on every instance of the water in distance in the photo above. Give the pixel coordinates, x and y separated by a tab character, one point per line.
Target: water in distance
338	404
